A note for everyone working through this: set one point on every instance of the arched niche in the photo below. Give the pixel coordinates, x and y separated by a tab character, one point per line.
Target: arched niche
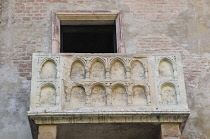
77	70
166	68
77	97
48	70
117	70
137	70
48	95
97	70
98	96
168	94
139	96
119	95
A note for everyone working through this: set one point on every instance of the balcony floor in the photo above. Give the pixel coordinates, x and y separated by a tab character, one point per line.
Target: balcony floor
109	131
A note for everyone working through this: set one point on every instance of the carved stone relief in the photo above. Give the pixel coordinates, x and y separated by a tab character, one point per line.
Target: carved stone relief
48	70
117	70
105	81
48	95
165	68
137	70
78	97
119	96
77	71
168	94
139	95
98	96
97	71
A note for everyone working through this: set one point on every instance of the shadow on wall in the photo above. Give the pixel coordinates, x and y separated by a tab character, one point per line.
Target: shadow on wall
110	131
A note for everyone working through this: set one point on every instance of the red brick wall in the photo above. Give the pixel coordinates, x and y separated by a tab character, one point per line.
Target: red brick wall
144	11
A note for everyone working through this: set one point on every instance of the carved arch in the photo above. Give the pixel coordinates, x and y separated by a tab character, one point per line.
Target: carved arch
77	70
42	60
139	95
166	68
168	93
117	59
47	95
137	69
97	69
77	97
98	95
119	96
81	59
102	60
48	70
117	69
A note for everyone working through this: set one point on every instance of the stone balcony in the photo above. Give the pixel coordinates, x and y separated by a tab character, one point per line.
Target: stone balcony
107	88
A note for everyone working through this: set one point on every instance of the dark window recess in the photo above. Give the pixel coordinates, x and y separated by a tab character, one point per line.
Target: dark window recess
88	39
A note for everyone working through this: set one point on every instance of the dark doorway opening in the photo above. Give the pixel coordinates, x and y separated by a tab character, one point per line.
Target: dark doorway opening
88	39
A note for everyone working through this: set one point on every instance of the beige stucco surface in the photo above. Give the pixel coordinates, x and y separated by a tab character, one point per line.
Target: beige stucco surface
154	27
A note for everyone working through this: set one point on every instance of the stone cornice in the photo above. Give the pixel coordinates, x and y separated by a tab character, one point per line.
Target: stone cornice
112	117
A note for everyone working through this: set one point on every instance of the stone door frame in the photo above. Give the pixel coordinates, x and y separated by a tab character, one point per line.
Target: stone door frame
99	16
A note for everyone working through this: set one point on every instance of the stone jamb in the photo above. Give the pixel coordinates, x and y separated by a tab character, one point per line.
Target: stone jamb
170	131
58	16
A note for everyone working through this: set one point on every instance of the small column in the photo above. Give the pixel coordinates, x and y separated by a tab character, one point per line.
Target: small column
88	101
87	73
88	94
47	132
109	97
107	73
170	131
128	73
130	102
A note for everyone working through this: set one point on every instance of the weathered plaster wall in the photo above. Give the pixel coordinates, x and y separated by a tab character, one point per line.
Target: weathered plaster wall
150	26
